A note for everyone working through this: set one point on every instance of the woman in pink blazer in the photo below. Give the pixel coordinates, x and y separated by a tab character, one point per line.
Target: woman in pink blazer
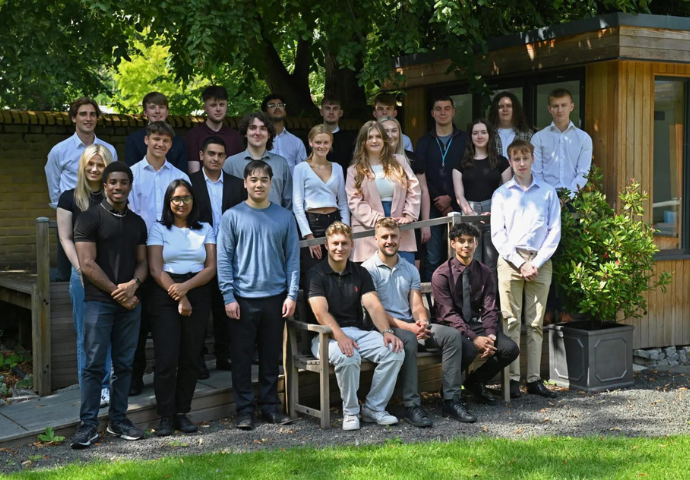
380	184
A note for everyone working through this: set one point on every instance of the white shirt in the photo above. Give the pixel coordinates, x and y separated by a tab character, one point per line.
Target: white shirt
309	191
562	159
507	136
407	143
290	147
63	163
528	220
184	249
215	195
148	189
384	185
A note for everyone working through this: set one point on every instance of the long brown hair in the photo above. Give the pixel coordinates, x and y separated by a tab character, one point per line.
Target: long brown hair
470	150
391	167
519	118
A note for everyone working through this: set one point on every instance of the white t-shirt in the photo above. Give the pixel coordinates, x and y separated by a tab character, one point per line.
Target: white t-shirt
507	136
384	185
184	249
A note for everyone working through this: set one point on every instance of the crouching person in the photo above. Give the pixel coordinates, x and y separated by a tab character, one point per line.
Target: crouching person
337	289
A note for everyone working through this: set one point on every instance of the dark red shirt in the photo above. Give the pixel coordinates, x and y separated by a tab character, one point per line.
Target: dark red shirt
446	285
196	137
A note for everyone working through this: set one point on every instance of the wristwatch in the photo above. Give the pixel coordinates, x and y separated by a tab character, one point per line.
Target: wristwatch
138	281
388	330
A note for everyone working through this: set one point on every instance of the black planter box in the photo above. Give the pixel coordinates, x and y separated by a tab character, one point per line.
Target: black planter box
591	356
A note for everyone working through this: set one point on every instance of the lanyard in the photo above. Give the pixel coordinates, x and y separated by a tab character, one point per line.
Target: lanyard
444	152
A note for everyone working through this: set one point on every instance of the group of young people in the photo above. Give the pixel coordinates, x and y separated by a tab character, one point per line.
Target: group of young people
153	249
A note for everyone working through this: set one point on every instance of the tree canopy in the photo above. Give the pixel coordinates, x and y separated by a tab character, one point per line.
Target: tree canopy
50	51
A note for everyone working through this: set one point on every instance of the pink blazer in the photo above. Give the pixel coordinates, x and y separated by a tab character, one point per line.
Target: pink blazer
366	208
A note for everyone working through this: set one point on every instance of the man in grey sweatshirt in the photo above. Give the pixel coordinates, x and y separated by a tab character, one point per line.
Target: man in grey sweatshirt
258	274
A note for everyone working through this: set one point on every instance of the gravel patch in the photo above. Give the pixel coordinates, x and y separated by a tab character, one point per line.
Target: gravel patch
658	405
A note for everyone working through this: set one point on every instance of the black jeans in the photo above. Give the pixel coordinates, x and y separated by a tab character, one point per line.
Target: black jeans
261	323
318	223
177	345
145	291
506	351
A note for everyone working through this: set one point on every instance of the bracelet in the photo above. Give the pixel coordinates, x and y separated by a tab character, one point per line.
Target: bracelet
79	270
138	281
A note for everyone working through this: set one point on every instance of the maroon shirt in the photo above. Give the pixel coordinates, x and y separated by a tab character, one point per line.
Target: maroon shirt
196	137
446	285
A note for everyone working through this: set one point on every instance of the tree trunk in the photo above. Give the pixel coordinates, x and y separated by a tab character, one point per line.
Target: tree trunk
342	83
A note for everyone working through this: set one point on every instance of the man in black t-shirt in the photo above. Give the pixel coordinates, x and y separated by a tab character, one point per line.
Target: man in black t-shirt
337	290
111	245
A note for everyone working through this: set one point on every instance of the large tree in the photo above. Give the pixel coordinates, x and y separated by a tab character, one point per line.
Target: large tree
282	42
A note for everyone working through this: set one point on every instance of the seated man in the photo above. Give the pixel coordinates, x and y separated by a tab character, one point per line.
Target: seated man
465	298
399	289
337	290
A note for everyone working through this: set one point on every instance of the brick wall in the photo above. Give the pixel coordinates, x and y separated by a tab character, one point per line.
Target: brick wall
25	140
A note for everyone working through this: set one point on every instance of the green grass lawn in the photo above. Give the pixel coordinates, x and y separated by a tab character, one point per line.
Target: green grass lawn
539	458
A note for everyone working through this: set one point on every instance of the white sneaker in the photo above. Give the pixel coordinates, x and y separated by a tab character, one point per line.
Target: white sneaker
351	422
382	417
105	397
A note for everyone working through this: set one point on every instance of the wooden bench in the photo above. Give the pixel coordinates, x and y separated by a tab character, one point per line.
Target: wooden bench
297	357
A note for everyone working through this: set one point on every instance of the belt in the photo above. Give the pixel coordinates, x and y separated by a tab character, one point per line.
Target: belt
526	254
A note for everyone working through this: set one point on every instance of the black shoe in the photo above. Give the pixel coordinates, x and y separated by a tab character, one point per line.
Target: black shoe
84	436
223	363
203	371
515	389
417	416
481	394
125	430
136	386
458	410
165	427
184	424
277	418
245	421
538	388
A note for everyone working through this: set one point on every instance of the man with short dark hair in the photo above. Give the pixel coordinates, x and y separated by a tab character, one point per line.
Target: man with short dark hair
216	107
441	150
465	299
214	193
155	109
258	133
111	245
343	146
386	105
398	286
258	274
285	144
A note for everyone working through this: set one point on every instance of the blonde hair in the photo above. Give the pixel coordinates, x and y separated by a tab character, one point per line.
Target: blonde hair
388	223
83	191
400	150
338	228
319	130
391	168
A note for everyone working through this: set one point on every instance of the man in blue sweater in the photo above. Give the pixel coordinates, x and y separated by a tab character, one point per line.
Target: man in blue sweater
258	275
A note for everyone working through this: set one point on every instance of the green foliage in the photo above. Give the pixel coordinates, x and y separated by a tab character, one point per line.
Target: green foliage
11	361
605	261
48	436
27	382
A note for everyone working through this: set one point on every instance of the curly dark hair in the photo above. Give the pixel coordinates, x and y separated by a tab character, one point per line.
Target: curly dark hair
463	228
168	217
519	118
263	118
470	150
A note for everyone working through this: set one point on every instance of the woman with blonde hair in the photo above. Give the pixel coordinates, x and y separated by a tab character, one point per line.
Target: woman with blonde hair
87	193
318	195
380	184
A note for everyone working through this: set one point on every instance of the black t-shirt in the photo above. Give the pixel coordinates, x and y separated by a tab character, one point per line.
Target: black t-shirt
343	149
418	167
67	202
116	239
480	181
343	291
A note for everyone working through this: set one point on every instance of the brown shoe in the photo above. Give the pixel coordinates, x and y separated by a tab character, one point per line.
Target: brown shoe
548	317
565	317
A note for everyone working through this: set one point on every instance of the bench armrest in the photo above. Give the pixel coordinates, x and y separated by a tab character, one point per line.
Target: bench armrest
309	326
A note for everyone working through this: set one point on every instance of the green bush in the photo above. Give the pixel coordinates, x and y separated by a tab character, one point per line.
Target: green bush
605	261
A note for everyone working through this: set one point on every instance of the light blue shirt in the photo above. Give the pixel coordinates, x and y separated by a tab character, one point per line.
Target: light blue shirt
393	285
290	147
258	253
562	159
148	189
63	163
407	143
281	184
527	220
215	194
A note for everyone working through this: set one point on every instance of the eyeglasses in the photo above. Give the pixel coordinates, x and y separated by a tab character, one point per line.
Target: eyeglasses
181	200
276	105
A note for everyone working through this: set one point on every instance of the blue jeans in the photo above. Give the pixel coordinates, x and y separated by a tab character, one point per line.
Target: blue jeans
409	256
434	247
108	324
76	293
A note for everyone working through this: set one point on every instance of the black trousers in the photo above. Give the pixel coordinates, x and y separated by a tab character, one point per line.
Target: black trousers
221	323
318	223
506	351
146	291
177	340
261	323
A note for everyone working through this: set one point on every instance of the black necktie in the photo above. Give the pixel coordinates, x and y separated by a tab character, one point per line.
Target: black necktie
466	302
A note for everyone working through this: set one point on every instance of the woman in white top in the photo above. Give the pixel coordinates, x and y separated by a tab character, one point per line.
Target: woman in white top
182	261
380	184
510	122
318	195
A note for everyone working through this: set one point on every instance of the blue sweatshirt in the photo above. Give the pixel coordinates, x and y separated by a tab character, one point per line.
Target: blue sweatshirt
258	253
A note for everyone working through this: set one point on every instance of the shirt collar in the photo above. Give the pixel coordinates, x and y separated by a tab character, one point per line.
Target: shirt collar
512	183
458	265
220	179
348	268
248	156
110	208
78	143
166	164
284	132
380	263
337	129
554	127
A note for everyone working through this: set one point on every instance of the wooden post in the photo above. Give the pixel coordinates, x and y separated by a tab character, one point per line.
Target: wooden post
40	311
325	390
455	218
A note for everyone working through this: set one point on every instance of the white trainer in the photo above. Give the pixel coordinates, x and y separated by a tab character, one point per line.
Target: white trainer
351	422
382	417
105	397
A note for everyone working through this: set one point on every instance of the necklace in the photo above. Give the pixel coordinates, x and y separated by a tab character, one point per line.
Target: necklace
119	215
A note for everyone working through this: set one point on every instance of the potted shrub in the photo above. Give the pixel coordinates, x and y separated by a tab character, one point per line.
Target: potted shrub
602	269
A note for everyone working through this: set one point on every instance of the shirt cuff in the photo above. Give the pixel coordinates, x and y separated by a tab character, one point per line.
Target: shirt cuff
538	261
470	334
229	298
491	331
516	260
